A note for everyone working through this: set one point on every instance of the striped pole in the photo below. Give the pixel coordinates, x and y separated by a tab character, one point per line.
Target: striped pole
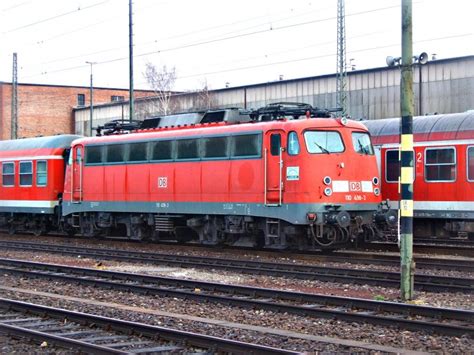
406	156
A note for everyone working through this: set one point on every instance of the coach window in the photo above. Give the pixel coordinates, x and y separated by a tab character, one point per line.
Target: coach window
115	153
275	144
162	150
323	142
361	143
440	164
8	174
187	149
41	173
470	163
293	144
247	145
214	147
26	173
137	152
392	166
94	154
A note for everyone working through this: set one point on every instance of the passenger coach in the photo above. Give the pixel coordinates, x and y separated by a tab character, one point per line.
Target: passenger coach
306	183
444	171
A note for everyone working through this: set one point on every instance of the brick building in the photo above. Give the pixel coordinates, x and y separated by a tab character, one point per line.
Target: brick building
48	109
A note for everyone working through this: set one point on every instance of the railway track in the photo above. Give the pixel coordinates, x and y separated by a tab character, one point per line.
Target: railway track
442	248
420	318
307	272
94	334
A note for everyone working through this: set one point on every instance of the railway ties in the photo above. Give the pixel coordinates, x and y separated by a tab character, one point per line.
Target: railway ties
419	318
90	333
296	271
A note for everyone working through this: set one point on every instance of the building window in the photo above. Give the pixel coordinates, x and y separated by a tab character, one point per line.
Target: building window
440	164
81	99
470	164
116	98
26	173
41	173
8	174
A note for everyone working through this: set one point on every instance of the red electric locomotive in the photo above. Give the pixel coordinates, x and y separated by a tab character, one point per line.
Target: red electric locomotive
32	182
444	171
302	183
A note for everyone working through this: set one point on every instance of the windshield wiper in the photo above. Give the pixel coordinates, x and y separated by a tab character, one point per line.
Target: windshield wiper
324	150
363	149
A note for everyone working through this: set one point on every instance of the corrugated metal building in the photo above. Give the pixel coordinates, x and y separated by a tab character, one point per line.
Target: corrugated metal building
443	86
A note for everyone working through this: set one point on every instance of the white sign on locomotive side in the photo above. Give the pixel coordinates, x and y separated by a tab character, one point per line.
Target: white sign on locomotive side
162	182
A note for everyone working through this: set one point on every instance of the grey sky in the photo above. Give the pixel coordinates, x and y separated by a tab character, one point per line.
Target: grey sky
240	42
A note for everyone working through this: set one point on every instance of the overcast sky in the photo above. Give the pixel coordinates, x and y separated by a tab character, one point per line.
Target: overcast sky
216	41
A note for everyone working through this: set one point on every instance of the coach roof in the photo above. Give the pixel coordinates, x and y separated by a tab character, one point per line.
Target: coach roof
51	142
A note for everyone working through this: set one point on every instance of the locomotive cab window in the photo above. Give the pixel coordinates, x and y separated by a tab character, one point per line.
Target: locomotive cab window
94	155
293	144
162	150
323	142
26	173
362	144
470	163
275	144
246	146
41	173
440	164
214	147
8	174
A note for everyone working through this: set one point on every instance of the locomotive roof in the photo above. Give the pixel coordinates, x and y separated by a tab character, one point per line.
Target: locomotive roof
224	128
51	142
453	123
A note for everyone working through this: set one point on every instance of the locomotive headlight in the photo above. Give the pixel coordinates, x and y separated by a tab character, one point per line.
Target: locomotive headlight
328	191
327	180
375	180
377	191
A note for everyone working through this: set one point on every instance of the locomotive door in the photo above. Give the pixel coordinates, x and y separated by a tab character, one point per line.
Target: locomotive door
273	160
77	167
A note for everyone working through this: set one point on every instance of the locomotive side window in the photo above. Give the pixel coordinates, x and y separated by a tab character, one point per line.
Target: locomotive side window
440	164
361	143
26	173
161	150
470	163
8	174
323	142
275	144
94	155
187	149
41	173
247	145
137	152
293	144
115	153
215	147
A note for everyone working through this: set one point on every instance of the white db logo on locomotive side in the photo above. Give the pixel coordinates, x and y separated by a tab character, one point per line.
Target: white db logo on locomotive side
162	182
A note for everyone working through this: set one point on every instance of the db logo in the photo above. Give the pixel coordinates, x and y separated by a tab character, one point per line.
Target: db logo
162	182
355	186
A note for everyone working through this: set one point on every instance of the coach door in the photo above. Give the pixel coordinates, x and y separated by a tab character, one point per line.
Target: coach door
77	168
273	160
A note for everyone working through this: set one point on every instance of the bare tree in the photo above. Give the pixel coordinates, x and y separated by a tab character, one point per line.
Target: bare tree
161	80
205	99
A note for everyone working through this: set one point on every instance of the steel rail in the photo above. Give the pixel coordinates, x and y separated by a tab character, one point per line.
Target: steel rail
215	344
308	272
304	304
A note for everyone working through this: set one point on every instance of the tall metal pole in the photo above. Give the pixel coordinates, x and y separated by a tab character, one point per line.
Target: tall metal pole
406	154
130	31
14	96
91	100
341	92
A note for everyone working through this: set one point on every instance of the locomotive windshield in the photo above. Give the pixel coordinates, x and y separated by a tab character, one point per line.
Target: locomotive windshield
323	142
361	143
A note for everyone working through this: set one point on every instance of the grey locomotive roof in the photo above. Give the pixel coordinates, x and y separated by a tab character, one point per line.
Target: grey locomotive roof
453	122
60	141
